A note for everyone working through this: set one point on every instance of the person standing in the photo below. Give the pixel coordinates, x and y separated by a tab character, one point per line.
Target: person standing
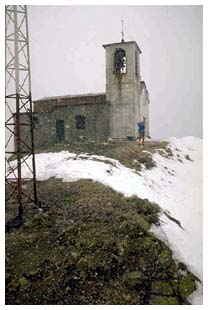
141	130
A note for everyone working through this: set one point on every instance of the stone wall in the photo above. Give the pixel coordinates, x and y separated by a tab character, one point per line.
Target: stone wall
46	112
144	107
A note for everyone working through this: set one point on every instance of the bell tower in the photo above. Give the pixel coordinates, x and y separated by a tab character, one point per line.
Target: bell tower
123	88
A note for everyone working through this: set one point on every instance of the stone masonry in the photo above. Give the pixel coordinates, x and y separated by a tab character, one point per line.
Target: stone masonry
122	90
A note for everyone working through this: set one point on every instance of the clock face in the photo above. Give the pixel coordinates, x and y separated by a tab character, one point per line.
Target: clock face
120	60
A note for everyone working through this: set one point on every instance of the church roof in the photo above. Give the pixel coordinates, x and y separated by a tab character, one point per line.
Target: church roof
105	45
70	96
47	104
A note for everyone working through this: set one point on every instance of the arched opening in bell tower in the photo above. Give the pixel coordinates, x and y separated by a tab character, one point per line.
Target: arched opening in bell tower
120	61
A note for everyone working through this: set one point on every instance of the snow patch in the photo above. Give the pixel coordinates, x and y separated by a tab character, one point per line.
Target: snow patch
175	184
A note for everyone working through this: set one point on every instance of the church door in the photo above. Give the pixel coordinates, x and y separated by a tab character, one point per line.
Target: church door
60	135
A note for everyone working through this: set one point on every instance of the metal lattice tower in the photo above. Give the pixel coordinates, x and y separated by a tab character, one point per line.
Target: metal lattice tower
18	100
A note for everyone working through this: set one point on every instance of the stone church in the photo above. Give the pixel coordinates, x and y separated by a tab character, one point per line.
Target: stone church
99	116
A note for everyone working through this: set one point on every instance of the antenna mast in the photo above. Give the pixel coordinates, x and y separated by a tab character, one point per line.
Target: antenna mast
19	119
122	32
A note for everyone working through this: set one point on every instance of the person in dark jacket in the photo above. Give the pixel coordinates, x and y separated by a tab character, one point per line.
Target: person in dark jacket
141	130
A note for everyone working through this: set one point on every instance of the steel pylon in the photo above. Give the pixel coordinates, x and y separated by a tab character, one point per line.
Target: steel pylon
19	145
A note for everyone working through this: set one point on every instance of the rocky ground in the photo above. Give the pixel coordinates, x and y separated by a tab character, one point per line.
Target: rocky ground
127	152
91	245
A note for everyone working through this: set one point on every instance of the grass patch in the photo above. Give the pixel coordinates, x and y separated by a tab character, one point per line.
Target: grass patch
91	245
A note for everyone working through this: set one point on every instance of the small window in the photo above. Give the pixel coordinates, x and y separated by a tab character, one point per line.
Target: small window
120	60
80	122
35	122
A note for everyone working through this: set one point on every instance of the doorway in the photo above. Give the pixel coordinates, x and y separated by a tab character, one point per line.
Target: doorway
60	134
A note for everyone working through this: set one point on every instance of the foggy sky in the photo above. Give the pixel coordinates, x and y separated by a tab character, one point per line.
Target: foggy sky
67	57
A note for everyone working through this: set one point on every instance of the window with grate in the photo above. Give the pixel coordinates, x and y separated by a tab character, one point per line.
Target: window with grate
80	122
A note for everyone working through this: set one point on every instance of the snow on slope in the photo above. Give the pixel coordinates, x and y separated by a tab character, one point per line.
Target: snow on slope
175	184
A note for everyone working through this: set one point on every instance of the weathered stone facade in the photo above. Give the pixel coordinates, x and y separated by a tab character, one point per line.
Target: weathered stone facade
49	111
123	89
97	117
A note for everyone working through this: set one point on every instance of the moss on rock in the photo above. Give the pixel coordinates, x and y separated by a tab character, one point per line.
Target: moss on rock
163	300
138	219
23	283
162	288
165	257
133	280
187	285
